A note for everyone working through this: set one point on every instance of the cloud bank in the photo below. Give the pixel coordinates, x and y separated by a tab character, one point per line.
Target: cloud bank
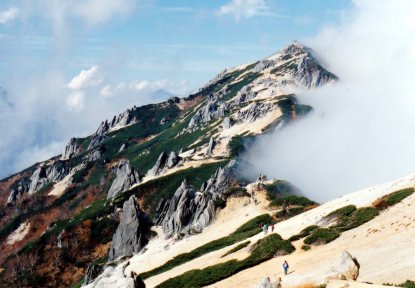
362	129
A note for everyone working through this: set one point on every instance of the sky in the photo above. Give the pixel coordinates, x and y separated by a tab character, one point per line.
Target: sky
67	65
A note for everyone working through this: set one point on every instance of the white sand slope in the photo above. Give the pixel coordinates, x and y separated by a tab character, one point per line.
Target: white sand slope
19	233
384	246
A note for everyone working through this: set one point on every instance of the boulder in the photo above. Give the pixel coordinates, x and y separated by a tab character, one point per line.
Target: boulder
172	160
349	267
132	233
126	176
226	124
265	283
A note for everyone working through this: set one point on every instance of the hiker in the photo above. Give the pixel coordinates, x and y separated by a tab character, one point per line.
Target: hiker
285	266
272	228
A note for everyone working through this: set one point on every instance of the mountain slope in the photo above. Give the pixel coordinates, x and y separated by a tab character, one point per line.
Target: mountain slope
60	215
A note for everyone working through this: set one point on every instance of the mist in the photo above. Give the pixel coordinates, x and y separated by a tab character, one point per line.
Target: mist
362	129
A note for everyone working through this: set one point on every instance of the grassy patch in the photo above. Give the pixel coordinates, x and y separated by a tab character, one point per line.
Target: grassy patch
321	236
264	250
236	248
250	228
393	198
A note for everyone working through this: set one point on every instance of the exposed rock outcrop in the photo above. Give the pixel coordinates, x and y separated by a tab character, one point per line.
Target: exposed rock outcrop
158	167
211	146
18	189
94	154
92	272
72	149
172	160
132	233
99	136
207	113
46	174
124	119
126	176
190	211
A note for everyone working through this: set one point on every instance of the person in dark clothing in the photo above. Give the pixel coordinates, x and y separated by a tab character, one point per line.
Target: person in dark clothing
285	266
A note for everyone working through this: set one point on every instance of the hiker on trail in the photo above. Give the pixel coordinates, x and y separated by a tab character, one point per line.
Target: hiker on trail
272	228
285	266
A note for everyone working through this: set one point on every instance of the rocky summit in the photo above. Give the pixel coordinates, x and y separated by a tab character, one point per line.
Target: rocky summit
160	196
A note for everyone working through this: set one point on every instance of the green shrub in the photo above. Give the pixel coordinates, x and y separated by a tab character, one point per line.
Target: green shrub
356	218
238	144
236	248
292	200
264	250
304	233
250	228
343	212
321	236
306	247
393	198
288	213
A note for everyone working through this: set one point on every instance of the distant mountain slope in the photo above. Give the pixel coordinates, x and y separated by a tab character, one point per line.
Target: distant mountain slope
175	157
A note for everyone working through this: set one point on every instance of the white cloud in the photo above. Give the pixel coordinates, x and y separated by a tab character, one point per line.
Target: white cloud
86	78
8	15
244	8
75	101
361	132
100	11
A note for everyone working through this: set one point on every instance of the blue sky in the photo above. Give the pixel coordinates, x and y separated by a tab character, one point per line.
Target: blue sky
128	51
152	40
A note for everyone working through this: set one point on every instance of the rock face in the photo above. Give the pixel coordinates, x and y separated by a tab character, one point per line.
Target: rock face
132	232
189	211
72	149
126	176
18	189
